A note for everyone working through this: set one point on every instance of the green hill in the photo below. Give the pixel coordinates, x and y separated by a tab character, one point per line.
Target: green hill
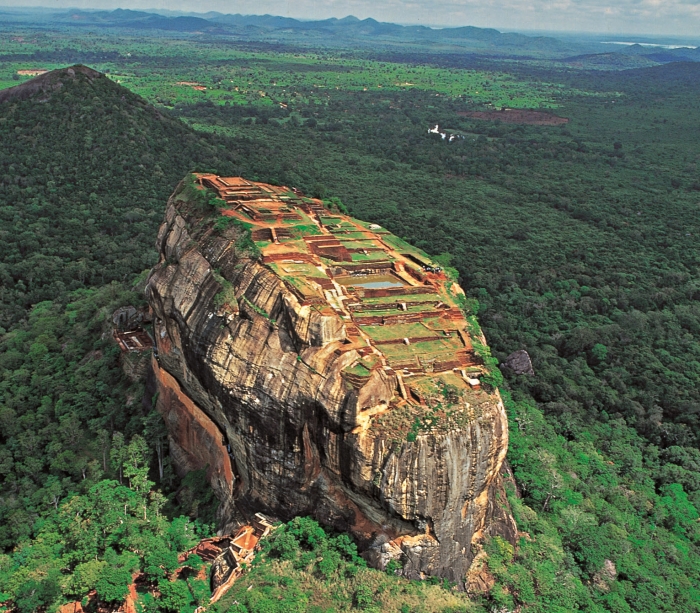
85	168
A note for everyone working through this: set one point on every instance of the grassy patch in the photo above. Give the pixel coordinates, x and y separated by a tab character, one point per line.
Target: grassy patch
227	293
299	231
426	298
390	332
358	369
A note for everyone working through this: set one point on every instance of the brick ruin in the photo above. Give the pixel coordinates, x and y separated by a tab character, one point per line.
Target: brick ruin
401	311
128	331
229	555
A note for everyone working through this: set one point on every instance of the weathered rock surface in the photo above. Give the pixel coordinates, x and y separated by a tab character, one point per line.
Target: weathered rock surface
519	362
256	388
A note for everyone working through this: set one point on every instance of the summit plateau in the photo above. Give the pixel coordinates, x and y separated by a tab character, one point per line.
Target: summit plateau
319	365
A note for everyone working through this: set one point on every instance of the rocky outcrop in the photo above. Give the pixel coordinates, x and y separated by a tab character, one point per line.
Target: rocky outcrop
519	362
264	384
46	84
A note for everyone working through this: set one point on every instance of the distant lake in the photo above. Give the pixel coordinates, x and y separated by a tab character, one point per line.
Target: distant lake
378	284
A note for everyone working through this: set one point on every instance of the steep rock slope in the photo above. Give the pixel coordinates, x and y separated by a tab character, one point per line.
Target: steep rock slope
333	375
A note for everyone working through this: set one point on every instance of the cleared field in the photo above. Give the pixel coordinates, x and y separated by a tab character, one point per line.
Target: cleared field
398	331
532	118
425	350
184	72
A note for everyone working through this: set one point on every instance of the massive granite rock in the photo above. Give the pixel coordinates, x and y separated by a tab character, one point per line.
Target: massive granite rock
283	375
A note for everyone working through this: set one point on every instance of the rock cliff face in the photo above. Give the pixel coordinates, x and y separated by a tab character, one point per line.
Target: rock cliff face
332	375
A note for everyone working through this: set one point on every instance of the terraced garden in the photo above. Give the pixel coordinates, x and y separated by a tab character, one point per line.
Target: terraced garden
401	311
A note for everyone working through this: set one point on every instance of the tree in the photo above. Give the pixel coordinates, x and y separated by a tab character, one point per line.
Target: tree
85	577
175	596
157	435
115	577
117	454
136	465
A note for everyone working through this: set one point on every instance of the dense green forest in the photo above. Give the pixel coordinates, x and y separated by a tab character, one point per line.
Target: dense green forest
97	539
579	242
84	178
79	219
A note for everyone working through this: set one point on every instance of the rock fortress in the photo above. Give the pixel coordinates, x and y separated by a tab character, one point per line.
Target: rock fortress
318	365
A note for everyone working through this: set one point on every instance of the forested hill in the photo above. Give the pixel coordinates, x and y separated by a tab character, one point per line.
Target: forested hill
85	166
43	86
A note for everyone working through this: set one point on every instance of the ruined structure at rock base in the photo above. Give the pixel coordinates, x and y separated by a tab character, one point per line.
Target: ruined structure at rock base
128	330
333	375
229	555
134	340
231	562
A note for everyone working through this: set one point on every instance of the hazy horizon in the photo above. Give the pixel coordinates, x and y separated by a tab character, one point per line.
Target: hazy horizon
675	18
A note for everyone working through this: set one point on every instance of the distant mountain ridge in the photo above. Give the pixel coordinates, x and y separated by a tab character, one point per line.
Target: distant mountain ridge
349	28
351	32
354	31
635	56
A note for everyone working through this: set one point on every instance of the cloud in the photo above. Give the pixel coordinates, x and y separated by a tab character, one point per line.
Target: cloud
664	17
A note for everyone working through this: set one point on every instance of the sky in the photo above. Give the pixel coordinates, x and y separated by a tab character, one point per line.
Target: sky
608	17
